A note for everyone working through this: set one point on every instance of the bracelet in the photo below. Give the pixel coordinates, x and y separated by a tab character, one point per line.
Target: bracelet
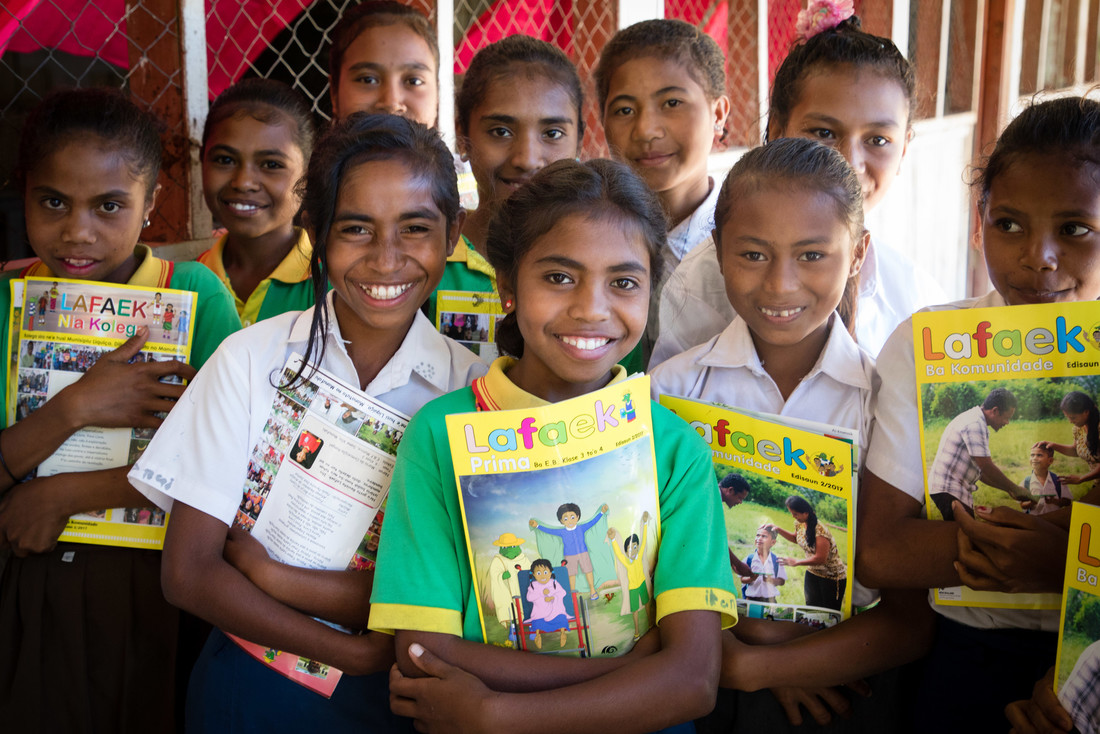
3	463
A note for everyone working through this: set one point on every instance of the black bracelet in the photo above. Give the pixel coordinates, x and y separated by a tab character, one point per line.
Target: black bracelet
3	463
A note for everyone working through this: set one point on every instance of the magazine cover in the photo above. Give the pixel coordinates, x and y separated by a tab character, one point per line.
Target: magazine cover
1077	672
315	487
778	478
560	510
471	319
65	326
1003	394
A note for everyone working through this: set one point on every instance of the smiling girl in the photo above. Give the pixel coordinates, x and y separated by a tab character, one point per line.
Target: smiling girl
382	207
255	145
574	310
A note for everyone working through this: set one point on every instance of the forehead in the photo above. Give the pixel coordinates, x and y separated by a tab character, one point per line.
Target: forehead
385	188
573	236
86	167
265	128
1047	183
389	46
645	76
523	92
808	214
853	96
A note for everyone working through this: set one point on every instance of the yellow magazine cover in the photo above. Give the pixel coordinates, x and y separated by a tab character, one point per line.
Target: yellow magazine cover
1077	672
995	389
560	511
770	469
65	327
471	319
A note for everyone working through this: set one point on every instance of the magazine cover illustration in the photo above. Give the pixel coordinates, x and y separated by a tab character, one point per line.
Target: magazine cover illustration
471	319
65	326
782	482
1077	671
1002	394
561	517
315	487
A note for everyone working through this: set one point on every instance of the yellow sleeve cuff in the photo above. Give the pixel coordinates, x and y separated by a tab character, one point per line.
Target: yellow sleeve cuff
389	617
694	599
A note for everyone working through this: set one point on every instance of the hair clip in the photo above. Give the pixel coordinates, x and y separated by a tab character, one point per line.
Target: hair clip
821	15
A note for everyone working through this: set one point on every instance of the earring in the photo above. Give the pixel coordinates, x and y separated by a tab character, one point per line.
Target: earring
146	224
507	303
717	127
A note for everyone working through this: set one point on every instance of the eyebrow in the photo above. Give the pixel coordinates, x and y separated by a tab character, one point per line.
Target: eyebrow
658	93
271	152
630	266
809	242
512	120
52	192
830	120
376	66
348	216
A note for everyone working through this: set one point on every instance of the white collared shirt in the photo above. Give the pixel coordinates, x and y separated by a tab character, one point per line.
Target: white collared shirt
200	454
838	390
694	307
895	455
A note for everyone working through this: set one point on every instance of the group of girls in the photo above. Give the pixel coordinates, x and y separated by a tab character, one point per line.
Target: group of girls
90	641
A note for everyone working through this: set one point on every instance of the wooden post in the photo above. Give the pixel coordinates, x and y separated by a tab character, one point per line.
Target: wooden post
743	72
594	23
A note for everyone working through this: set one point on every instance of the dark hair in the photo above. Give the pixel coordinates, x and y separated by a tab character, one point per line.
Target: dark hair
569	507
799	504
736	482
503	59
1045	448
1067	126
373	14
846	44
599	189
632	539
267	101
1079	402
107	114
798	164
670	39
543	563
999	398
361	138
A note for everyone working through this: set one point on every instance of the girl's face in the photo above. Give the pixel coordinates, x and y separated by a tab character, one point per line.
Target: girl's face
580	308
541	573
861	113
786	256
388	69
387	247
1041	230
1077	419
524	122
661	121
85	209
249	170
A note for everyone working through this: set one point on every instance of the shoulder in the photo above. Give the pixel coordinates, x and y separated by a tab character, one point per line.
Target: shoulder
195	276
433	416
675	375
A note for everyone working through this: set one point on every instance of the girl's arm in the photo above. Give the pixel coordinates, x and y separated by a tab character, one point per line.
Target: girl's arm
196	577
1065	449
674	685
342	597
785	534
112	393
821	552
1092	473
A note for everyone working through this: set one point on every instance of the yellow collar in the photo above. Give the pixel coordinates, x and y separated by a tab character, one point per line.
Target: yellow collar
152	272
495	391
473	259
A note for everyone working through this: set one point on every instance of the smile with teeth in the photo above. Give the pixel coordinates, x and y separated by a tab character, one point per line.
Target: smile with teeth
385	292
782	313
585	343
243	207
74	262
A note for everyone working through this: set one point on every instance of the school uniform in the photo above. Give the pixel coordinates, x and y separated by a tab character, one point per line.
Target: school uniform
1047	490
467	271
200	456
287	288
995	654
89	643
763	588
694	305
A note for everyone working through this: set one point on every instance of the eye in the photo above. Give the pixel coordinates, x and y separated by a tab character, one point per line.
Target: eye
367	79
415	81
559	278
674	102
272	165
499	132
753	256
878	141
1074	229
625	284
352	230
416	229
812	256
1008	226
110	207
823	134
555	134
622	111
53	203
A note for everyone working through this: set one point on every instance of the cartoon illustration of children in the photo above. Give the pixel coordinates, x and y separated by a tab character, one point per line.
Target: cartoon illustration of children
54	293
169	316
548	597
575	552
631	557
503	577
158	307
184	322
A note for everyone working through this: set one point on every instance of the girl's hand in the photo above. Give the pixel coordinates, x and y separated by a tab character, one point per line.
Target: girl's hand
1040	714
1010	552
1072	479
448	700
788	562
245	553
116	393
1044	445
818	702
32	516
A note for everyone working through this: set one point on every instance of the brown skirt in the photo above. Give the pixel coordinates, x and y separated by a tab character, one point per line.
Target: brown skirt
87	642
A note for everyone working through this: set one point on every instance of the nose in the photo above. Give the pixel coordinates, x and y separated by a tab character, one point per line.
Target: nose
78	229
244	178
782	277
647	124
1040	251
527	152
390	98
386	255
852	149
589	303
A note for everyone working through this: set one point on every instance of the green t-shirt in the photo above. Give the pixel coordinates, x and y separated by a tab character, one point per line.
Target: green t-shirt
423	582
466	270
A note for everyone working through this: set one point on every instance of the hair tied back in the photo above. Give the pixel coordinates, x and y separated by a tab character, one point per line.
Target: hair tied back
820	16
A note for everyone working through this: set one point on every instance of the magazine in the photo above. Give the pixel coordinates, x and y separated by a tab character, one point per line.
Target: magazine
1077	671
64	327
990	384
560	511
315	488
471	319
778	459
